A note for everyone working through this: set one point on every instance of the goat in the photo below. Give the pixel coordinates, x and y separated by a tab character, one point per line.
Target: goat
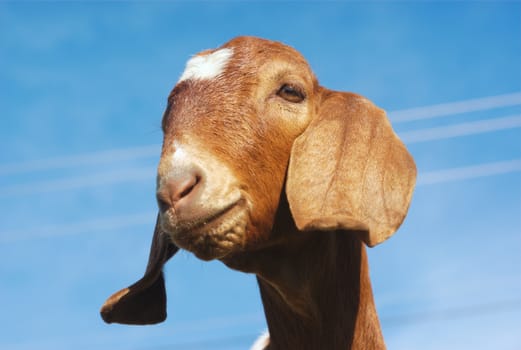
272	174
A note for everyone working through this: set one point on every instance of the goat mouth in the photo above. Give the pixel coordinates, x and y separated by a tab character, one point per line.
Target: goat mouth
217	235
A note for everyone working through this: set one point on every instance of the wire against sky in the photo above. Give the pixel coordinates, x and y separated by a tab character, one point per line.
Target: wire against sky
146	173
449	314
119	222
72	183
452	313
459	107
462	129
469	172
100	157
404	115
90	226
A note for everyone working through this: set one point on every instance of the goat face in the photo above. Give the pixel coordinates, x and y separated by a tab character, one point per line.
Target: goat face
228	131
243	122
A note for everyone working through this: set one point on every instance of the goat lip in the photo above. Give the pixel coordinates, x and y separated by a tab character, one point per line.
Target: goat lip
216	235
209	220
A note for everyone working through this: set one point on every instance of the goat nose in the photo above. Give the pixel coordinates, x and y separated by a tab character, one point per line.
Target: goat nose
175	189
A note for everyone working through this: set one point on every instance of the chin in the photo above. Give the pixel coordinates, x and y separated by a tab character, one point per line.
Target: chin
213	237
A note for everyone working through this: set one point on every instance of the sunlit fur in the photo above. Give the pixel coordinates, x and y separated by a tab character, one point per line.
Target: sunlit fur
289	188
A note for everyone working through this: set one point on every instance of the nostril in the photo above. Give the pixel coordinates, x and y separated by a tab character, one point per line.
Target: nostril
187	187
176	188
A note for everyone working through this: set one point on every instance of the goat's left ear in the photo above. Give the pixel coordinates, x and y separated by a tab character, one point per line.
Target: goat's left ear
144	302
349	171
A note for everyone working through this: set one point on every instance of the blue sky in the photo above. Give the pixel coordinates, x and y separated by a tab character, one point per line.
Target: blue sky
82	89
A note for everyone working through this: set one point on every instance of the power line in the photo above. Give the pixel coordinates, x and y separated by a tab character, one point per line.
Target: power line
105	178
448	314
398	116
459	107
469	172
76	228
462	129
101	157
147	173
453	313
119	222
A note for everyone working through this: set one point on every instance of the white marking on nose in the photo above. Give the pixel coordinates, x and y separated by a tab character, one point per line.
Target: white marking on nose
206	66
179	156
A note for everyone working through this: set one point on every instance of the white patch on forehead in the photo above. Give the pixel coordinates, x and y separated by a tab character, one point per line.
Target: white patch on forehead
206	66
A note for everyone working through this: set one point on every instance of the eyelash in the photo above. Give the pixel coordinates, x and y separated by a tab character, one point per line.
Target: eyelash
291	93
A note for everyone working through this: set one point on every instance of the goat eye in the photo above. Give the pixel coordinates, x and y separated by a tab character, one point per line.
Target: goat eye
291	93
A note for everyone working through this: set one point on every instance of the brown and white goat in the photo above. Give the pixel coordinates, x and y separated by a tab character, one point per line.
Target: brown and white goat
267	171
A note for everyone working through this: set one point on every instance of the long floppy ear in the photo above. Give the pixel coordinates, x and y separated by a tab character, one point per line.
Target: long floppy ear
144	302
349	171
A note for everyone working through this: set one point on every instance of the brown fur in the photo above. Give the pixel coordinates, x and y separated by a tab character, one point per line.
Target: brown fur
316	178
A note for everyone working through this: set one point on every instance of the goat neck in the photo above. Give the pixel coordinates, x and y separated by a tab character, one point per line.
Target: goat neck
315	289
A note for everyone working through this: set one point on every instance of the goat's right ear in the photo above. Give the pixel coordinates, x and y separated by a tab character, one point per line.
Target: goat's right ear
144	302
349	171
